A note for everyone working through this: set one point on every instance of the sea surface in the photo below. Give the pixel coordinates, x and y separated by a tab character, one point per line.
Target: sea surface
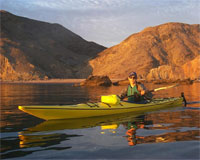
164	134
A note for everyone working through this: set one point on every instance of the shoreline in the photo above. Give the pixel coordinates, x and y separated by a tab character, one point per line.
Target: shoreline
54	81
47	81
114	81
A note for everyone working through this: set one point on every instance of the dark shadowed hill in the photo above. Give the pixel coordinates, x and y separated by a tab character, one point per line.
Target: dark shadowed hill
33	49
168	51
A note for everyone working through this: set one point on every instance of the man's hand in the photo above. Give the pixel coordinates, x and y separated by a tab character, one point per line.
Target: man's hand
137	97
142	92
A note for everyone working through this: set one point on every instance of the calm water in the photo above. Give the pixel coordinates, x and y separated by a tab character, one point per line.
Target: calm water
166	134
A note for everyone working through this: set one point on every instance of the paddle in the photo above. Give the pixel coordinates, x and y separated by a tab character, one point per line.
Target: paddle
167	87
184	100
161	88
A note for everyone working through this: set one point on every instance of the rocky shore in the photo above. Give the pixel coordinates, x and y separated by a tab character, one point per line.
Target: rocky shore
47	81
185	81
103	81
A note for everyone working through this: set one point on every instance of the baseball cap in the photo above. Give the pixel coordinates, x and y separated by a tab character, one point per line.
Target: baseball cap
133	74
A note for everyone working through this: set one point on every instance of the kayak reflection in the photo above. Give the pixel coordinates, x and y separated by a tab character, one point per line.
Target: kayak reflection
41	135
111	128
28	141
80	123
136	129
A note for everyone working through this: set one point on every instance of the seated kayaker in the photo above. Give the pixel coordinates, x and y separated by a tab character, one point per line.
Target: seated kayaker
135	92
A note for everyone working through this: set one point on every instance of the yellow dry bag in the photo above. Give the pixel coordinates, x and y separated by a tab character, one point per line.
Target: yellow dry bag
110	99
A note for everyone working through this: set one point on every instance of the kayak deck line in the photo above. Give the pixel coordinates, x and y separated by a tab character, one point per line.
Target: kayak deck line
95	104
107	104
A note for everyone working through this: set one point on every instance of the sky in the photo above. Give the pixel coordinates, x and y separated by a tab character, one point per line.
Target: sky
106	22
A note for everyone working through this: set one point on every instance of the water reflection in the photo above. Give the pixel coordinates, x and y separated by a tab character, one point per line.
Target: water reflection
33	94
174	126
13	95
110	128
162	127
53	125
42	135
132	127
23	134
30	141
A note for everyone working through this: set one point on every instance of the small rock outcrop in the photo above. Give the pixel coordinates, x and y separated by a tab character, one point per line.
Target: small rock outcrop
97	81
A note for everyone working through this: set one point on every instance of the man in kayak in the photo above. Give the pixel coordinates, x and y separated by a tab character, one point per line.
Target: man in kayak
135	92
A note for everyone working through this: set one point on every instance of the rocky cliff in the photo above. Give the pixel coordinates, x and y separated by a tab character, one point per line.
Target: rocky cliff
190	70
31	49
168	51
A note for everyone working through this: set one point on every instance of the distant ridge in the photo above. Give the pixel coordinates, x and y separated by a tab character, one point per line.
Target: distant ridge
32	49
167	51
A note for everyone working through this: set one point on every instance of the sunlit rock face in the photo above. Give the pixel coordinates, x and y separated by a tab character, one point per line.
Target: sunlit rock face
167	51
189	70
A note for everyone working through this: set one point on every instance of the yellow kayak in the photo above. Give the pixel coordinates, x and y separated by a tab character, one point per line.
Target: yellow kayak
50	112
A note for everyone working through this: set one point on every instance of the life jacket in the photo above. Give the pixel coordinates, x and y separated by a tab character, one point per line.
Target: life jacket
134	93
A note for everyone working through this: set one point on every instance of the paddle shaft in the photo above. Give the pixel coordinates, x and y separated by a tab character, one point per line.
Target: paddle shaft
161	88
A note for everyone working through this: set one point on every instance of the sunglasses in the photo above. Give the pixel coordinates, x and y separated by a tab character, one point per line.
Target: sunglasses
132	77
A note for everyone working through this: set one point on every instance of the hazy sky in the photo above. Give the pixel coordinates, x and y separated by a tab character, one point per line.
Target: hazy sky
106	22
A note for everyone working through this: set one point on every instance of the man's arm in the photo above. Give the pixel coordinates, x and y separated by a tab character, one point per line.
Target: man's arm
142	89
123	94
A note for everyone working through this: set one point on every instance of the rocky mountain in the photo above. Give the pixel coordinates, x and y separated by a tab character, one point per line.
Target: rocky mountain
31	49
167	51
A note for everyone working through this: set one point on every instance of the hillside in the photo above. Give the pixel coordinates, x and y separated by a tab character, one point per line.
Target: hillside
167	51
31	49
